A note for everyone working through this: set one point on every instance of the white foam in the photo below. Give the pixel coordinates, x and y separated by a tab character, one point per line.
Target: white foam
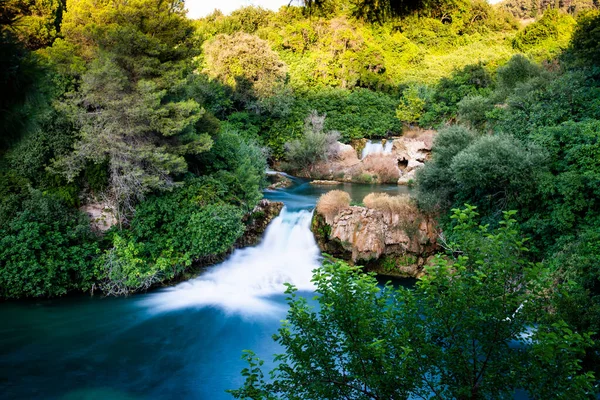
376	147
244	282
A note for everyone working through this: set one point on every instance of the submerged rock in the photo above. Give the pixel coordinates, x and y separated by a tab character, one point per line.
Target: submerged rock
324	183
395	243
278	180
257	222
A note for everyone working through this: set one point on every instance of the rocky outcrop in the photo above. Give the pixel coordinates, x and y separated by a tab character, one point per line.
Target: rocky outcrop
102	216
384	242
257	221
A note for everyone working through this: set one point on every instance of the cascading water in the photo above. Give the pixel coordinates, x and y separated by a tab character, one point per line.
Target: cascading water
375	147
244	282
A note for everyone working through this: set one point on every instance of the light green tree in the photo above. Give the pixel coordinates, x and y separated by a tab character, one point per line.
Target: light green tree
411	106
247	64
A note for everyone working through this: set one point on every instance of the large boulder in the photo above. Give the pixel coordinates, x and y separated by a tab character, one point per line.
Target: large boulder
390	242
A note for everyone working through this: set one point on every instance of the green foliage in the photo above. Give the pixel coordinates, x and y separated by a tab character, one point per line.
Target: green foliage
22	81
494	172
552	31
517	70
585	45
463	332
130	105
247	64
164	240
238	162
475	111
411	106
46	249
37	22
442	102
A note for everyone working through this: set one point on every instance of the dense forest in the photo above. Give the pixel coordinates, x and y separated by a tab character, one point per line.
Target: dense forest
164	127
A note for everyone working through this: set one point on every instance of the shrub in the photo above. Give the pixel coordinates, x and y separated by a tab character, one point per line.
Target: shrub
384	167
331	203
398	210
240	163
517	70
474	110
314	146
46	249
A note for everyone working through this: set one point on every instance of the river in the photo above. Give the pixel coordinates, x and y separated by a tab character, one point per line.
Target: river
180	342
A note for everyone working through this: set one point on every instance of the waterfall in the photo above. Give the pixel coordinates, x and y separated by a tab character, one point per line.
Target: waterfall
244	282
374	147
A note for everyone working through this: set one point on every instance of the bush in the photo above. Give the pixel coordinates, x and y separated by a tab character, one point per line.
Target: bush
314	146
474	111
384	167
331	203
517	70
46	249
240	163
497	172
399	210
169	232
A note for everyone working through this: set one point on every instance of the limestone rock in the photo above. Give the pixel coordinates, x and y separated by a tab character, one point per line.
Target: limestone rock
101	214
387	244
257	221
320	182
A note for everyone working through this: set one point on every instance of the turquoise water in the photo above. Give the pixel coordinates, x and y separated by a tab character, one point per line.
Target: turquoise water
180	342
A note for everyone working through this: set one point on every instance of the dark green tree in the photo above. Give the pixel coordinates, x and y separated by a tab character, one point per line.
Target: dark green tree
131	105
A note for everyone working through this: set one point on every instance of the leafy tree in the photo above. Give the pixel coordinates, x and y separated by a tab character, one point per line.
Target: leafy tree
464	332
130	104
247	64
411	106
37	22
585	45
